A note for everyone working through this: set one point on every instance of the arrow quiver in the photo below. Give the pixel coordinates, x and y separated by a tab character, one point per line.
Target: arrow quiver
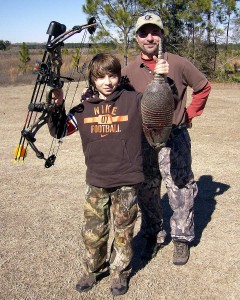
48	78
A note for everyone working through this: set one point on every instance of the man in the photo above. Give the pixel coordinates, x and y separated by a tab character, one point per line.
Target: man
174	160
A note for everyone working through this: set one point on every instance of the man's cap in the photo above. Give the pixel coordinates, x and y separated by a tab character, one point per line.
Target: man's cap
149	18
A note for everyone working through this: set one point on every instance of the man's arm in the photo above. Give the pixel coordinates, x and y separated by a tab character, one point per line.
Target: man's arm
198	102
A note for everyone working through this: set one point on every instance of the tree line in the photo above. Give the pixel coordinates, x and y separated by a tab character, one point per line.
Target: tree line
207	32
196	29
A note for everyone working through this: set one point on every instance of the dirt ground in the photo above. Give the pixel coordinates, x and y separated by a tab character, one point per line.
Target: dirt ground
41	214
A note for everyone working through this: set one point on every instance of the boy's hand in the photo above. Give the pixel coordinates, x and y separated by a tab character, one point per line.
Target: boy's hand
57	96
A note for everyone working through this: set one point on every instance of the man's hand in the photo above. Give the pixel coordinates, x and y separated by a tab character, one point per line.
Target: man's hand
57	96
162	66
87	93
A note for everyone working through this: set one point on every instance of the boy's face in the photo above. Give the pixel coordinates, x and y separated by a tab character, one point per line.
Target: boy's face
106	85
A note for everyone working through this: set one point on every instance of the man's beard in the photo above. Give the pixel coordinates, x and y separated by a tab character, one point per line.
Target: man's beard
151	51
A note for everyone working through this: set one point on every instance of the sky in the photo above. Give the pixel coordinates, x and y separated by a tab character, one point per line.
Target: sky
28	20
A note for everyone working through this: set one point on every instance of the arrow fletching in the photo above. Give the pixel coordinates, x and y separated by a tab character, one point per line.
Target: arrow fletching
20	153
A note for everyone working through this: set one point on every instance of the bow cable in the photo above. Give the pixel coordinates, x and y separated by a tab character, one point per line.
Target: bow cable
49	78
54	148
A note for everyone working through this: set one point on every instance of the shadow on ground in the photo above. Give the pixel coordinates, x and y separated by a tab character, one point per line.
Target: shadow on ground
205	203
204	207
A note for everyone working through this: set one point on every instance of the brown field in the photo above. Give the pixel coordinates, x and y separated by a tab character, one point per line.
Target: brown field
11	72
42	213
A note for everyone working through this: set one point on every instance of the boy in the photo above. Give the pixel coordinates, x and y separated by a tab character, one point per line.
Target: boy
110	127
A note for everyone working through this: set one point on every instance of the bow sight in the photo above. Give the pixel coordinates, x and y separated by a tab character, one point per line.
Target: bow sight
48	76
58	31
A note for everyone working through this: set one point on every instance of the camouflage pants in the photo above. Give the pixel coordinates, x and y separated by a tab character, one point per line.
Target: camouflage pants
149	195
96	229
174	164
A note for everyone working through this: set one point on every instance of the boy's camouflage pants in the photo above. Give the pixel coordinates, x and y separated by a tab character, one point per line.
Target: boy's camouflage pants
96	229
174	162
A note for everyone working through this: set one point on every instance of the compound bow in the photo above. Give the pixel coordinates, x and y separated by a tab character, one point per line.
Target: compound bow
48	77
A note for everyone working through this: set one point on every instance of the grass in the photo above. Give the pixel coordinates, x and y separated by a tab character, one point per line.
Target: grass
11	71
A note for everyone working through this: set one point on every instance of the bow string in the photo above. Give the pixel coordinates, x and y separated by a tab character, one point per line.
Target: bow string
48	79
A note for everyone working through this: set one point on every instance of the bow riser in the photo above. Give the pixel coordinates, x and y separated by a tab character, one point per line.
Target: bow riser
48	79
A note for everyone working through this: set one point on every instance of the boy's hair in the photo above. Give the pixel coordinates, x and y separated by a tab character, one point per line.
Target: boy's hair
101	65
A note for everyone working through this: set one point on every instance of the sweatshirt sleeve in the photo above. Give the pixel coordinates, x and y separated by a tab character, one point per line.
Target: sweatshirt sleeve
198	102
61	124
